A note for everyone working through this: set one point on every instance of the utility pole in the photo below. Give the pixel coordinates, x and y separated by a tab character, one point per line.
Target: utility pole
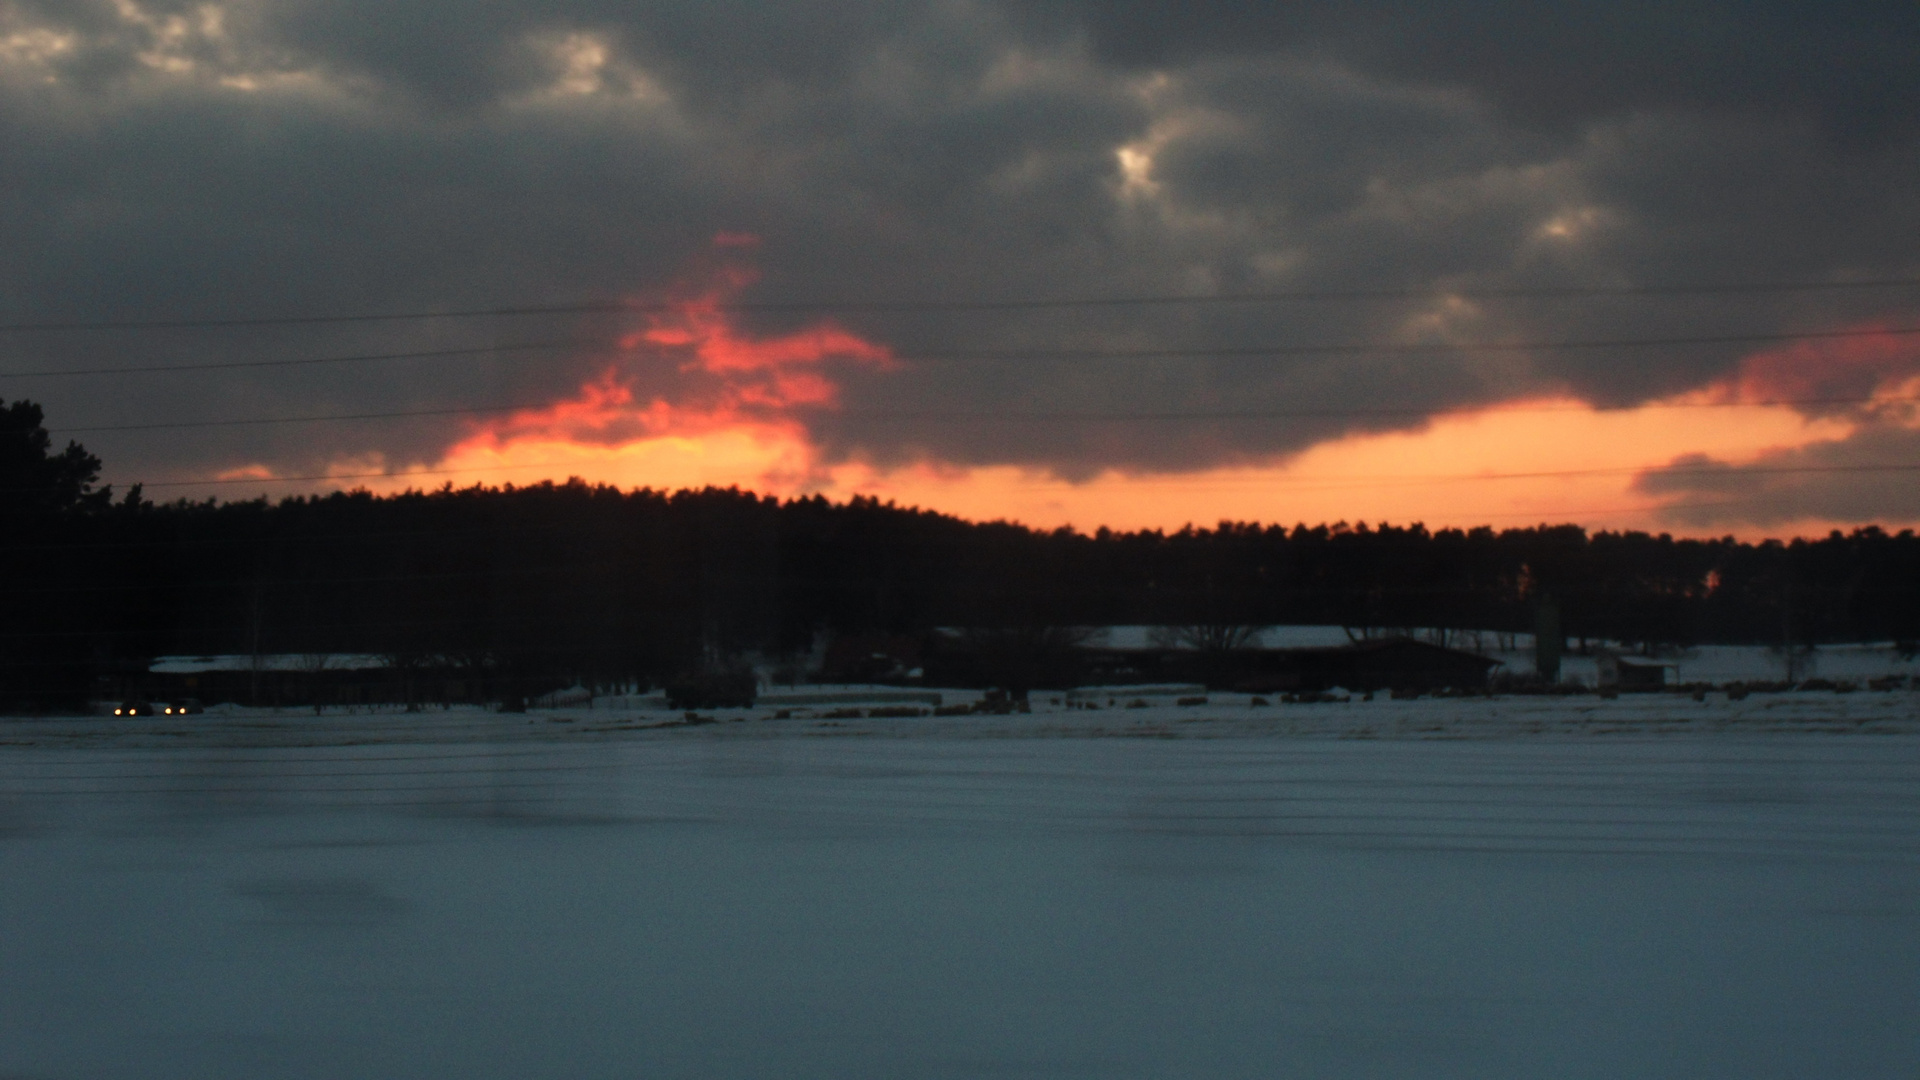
253	644
1786	632
1549	641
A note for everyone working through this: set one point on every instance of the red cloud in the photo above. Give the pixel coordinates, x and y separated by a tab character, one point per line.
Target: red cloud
1825	368
732	378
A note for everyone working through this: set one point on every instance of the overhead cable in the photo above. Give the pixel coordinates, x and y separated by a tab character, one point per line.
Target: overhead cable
220	365
1335	481
1003	416
912	356
1007	304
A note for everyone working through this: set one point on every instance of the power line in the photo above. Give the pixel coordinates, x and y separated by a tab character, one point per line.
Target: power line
953	416
1306	414
1157	300
223	365
1544	516
353	476
1334	482
1689	470
1357	482
1403	349
936	356
170	425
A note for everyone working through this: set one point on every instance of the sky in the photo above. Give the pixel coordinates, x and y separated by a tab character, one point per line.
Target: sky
1627	265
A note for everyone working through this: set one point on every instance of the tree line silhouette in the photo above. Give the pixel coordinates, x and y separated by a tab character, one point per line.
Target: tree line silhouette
544	585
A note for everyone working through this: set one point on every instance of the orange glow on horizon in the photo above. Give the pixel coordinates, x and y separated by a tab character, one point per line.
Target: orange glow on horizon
1553	460
1438	474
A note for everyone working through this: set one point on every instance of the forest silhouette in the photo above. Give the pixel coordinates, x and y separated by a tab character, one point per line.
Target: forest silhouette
553	584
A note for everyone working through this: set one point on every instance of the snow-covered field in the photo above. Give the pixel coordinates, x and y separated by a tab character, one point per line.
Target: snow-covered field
1715	664
1648	886
1111	712
1722	664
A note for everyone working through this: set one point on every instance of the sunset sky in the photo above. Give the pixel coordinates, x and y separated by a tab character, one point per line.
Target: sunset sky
1122	264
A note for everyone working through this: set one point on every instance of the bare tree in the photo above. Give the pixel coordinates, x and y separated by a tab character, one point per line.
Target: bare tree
1209	637
1022	658
312	664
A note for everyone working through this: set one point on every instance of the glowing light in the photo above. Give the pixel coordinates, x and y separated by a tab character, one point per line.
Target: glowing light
1572	224
1136	171
587	66
581	58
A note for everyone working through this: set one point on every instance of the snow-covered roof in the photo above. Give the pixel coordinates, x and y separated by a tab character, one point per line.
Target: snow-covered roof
1272	637
196	665
1719	664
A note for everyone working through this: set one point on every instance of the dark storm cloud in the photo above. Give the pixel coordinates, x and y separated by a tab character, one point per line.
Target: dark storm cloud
1857	478
259	157
1568	63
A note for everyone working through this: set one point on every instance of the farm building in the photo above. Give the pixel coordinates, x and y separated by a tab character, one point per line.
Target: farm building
1122	657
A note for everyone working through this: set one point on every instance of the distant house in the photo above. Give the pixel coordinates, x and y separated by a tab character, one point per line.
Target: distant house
1631	672
872	658
1305	659
334	679
1385	664
280	679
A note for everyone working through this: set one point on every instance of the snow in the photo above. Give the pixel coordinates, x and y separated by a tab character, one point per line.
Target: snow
197	665
1723	664
1126	692
1647	886
1269	637
1715	664
851	694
